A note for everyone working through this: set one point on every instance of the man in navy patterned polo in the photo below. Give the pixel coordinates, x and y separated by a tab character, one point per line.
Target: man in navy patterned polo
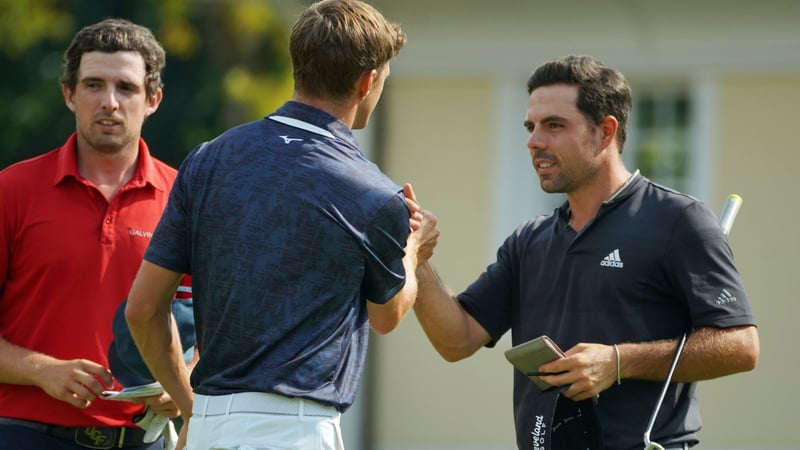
296	244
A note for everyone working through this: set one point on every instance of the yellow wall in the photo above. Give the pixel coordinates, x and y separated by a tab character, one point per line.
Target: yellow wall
438	139
759	157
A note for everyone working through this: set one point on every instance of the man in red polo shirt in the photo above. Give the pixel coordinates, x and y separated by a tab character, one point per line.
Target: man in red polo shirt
74	225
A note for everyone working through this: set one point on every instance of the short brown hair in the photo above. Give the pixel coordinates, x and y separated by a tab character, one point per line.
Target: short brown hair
115	35
602	91
335	41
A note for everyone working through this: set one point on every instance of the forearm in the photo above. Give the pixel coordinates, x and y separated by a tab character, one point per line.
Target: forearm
160	346
19	365
708	353
153	328
77	381
384	318
452	331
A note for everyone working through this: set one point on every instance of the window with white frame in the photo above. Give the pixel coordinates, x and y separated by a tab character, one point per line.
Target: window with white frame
660	136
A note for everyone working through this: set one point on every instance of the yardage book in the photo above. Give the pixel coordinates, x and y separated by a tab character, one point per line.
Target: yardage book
528	356
128	393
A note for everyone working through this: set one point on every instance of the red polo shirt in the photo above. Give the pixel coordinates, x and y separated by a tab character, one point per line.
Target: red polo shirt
67	259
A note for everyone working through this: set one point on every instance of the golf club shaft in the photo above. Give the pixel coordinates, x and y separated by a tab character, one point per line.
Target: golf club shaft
726	219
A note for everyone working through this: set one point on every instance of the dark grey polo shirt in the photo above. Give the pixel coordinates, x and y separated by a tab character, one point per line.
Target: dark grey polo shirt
652	265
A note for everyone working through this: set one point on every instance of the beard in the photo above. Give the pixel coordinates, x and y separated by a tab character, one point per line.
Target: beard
555	185
107	143
566	180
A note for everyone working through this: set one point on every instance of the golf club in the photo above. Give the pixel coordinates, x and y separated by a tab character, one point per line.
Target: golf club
726	219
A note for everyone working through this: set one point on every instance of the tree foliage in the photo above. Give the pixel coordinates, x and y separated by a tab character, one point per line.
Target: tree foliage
227	62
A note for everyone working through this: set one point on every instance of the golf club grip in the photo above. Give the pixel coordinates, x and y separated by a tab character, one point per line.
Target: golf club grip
729	212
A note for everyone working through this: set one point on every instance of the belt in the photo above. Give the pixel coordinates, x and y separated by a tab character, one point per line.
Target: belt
259	402
89	437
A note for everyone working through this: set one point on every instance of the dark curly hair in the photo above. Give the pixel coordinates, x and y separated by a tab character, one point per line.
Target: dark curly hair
114	35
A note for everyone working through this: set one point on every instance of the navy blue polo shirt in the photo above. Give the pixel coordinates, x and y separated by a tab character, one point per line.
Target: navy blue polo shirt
652	265
287	230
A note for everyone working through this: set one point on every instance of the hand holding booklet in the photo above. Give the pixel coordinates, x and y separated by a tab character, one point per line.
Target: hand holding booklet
528	356
145	390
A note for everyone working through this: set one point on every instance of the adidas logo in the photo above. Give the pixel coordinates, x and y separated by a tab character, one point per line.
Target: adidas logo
725	297
612	260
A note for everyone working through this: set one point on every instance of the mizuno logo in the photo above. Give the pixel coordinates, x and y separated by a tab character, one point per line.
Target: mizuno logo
612	260
725	297
287	139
